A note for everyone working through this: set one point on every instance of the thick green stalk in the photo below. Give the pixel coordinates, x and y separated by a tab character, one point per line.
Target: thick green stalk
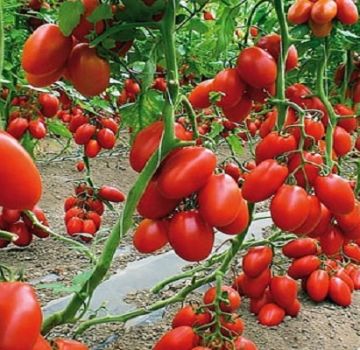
2	41
8	236
281	71
125	221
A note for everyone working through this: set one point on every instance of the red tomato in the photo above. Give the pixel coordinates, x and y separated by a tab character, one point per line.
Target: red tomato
150	236
351	221
257	304
339	292
190	236
180	338
283	290
347	118
49	104
335	193
20	315
355	276
219	200
341	273
347	12
147	141
40	58
37	129
84	133
242	343
40	215
310	168
186	171
352	251
92	148
256	260
240	223
299	12
233	170
17	127
271	315
232	297
255	287
254	32
240	111
300	247
85	27
10	216
199	96
274	145
89	73
111	194
44	80
75	225
303	267
42	344
230	86
324	223
66	344
289	207
20	180
106	138
231	326
332	241
323	11
342	141
321	30
262	182
187	316
317	285
153	205
294	309
314	217
256	67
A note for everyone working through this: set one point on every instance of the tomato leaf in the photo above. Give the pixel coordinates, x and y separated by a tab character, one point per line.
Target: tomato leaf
235	145
103	11
216	129
29	144
69	15
59	129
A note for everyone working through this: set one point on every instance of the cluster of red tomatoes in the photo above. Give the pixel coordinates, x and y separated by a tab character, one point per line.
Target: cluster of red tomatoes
25	319
84	210
130	91
320	14
271	296
186	180
253	79
324	279
29	114
193	328
14	221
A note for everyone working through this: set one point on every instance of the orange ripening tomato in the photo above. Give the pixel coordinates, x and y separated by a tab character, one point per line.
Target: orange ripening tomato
46	50
299	12
347	12
320	30
44	80
323	11
89	73
199	96
20	180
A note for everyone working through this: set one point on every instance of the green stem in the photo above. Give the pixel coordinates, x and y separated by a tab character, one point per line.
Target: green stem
281	71
192	116
321	69
2	41
8	236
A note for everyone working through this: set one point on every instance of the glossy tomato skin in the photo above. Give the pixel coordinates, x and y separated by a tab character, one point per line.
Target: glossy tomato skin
303	267
339	292
342	141
46	50
240	111
199	96
42	344
350	221
346	121
257	67
233	297
20	315
150	236
255	287
271	315
186	171
331	241
67	344
335	193
187	316
300	247
289	207
180	338
219	200
317	285
242	343
111	194
323	11
20	180
89	73
283	290
299	12
240	223
44	80
147	141
324	223
190	236
256	260
347	12
229	84
262	182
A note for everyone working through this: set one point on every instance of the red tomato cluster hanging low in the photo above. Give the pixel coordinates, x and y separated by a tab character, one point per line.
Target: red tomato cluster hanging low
320	14
193	327
84	210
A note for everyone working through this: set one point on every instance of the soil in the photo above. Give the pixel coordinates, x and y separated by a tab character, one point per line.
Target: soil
318	327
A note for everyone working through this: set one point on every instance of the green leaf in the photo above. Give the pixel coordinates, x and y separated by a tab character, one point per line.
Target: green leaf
198	25
216	129
103	11
69	15
29	144
59	129
235	144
